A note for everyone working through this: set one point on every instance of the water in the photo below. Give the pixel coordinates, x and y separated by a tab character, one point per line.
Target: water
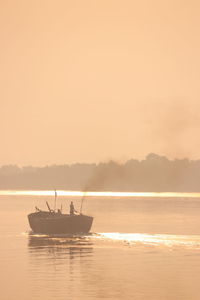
139	248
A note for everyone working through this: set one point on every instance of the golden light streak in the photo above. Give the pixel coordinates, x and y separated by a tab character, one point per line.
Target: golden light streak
153	239
101	194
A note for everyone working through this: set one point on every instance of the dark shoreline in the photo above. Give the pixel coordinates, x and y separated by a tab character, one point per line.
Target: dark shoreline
155	173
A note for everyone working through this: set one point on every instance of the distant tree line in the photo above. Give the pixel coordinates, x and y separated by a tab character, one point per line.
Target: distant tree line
154	173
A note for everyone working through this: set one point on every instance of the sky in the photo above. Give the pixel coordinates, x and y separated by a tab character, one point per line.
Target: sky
90	81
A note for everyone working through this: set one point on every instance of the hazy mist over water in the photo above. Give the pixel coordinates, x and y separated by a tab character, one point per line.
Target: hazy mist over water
139	248
88	89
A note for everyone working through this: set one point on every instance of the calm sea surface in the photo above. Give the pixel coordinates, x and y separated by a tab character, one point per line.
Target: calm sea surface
139	248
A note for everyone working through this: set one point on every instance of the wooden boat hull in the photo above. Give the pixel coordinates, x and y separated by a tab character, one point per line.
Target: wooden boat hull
49	223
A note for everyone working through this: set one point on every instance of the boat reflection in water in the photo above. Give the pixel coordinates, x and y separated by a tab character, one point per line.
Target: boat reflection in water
77	244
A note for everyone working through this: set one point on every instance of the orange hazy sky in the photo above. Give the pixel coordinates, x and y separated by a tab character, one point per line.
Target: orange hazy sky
88	81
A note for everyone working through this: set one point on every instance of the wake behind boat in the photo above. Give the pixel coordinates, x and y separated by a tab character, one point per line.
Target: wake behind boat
55	222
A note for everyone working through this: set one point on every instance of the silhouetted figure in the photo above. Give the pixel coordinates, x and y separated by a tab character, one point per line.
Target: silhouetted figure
72	209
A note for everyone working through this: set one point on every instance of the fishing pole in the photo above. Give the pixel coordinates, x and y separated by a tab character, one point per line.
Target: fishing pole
84	194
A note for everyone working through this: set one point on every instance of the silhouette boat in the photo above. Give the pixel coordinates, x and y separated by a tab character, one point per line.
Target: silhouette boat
56	222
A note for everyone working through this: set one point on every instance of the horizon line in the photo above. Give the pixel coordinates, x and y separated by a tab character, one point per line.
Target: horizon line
99	194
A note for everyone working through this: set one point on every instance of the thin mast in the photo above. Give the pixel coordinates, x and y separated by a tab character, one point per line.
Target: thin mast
55	200
82	202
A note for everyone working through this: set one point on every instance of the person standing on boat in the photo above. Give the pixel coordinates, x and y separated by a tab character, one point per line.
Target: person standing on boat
72	209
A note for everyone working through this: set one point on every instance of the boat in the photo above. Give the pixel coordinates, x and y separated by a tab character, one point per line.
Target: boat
56	222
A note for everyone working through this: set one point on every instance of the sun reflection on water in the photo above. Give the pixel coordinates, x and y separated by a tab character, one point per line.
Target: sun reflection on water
189	241
101	194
